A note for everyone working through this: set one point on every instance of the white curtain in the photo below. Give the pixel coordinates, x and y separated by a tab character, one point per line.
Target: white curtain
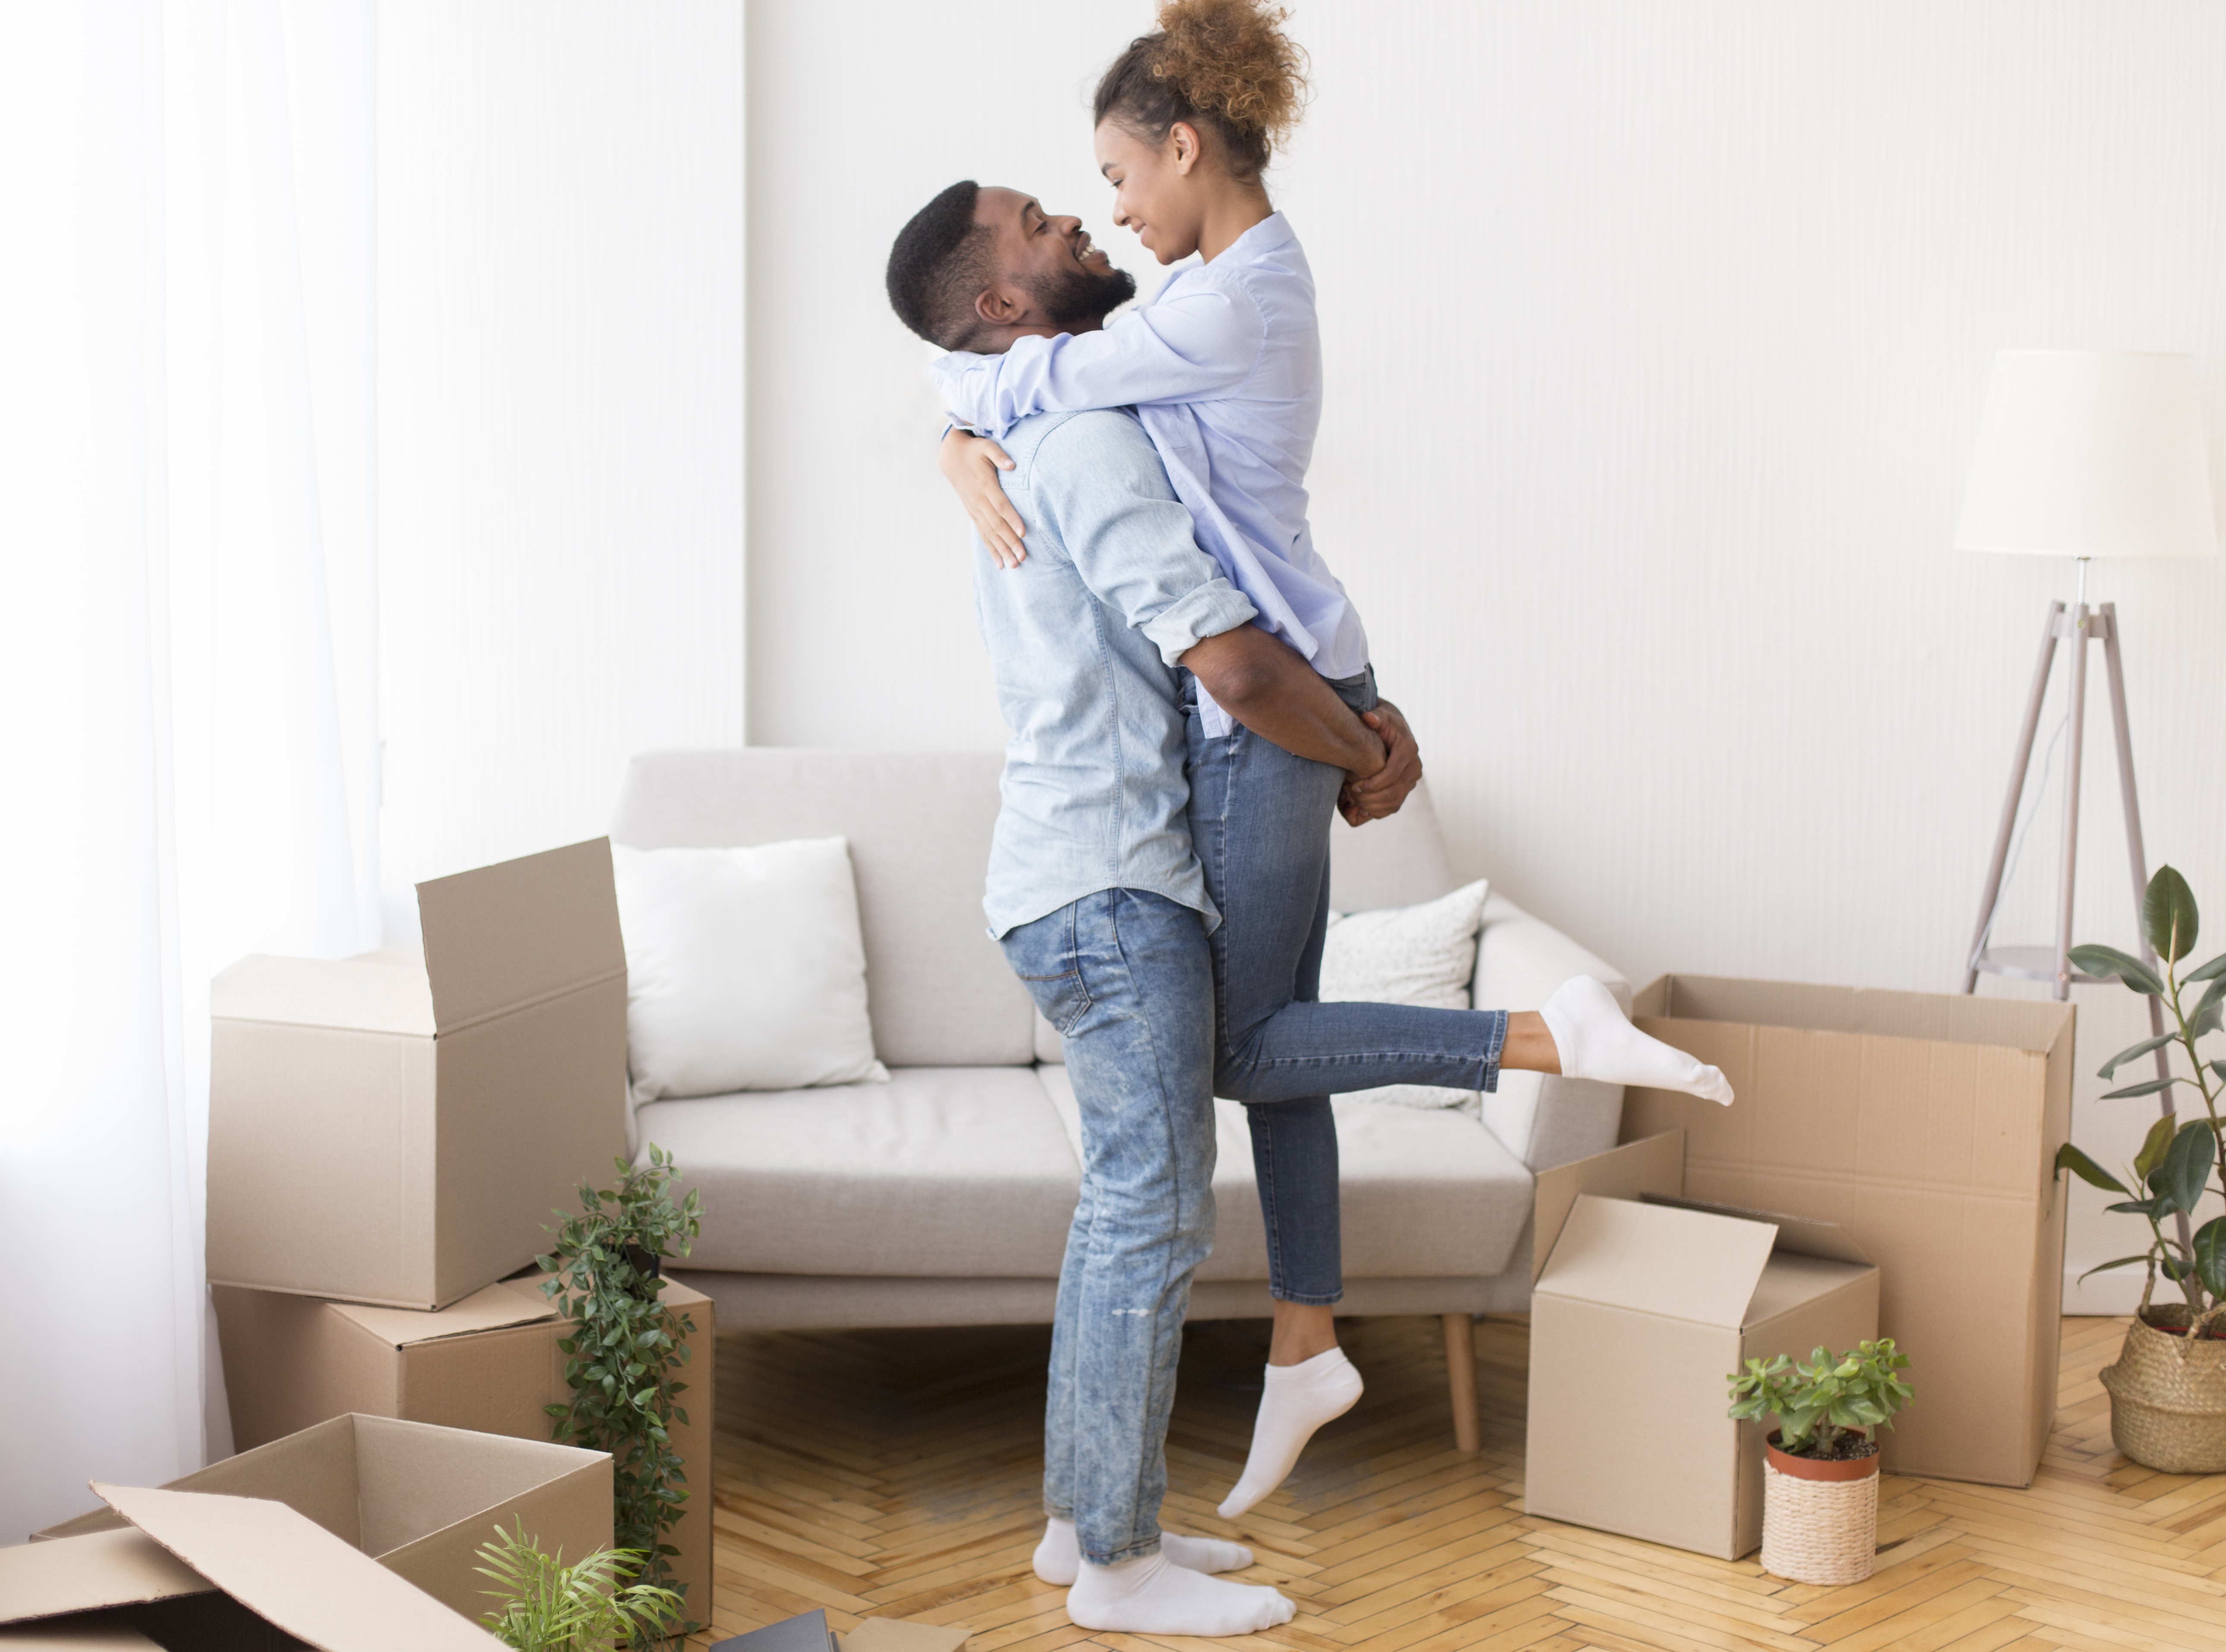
187	659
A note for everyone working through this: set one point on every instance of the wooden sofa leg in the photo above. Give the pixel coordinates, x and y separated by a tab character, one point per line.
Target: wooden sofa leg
1461	1378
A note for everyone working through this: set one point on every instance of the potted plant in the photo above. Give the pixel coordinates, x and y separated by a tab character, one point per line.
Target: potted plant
548	1606
1820	1473
625	1349
2168	1387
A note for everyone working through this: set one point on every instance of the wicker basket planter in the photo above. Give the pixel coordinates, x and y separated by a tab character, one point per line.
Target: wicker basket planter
2168	1397
1819	1519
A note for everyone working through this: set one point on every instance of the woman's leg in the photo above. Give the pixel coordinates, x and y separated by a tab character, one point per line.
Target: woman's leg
1260	821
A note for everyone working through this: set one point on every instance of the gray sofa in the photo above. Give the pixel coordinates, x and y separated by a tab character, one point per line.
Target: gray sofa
943	1197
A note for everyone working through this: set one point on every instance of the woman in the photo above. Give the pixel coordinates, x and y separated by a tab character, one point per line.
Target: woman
1224	368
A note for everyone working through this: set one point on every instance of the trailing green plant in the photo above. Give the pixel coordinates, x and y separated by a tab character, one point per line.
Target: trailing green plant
2177	1162
1823	1404
551	1607
625	1349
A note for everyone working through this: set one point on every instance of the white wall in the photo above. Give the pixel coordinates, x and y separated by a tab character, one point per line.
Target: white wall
561	414
1656	336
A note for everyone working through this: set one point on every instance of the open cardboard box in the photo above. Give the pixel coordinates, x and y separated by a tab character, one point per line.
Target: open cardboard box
418	1500
392	1130
1925	1124
1642	1304
489	1362
201	1572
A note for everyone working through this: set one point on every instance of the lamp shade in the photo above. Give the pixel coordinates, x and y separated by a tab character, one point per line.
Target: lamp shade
2090	453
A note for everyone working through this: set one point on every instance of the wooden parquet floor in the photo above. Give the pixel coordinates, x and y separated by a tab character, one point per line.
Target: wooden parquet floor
895	1473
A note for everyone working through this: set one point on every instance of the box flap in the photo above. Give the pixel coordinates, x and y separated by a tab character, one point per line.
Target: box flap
323	992
1654	1165
1797	1236
103	1633
78	1574
1658	1259
408	958
486	1310
520	931
1872	1012
313	1471
285	1567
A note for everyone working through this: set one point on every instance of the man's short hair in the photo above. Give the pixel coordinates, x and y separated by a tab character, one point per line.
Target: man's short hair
942	262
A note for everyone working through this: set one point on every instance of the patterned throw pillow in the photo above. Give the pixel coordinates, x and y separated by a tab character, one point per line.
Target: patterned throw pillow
1422	955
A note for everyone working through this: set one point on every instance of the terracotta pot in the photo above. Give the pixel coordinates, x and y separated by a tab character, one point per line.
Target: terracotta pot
1819	1519
2168	1397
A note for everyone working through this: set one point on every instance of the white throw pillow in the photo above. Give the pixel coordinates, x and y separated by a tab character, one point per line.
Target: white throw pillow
745	969
1423	954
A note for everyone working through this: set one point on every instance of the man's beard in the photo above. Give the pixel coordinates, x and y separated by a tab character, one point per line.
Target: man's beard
1072	296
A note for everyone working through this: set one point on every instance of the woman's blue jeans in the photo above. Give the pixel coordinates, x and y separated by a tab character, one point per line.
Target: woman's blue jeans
1124	976
1260	822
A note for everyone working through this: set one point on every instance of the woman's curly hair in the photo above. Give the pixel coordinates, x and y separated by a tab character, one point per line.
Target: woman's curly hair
1223	64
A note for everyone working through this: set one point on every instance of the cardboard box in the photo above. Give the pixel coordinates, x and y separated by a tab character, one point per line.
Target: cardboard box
1644	1303
206	1573
1926	1125
418	1500
391	1132
489	1363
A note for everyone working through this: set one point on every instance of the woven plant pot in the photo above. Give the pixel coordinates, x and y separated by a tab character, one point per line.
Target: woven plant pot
1819	1519
2168	1397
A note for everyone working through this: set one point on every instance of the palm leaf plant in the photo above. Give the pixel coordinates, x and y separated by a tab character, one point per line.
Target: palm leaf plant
2178	1162
548	1606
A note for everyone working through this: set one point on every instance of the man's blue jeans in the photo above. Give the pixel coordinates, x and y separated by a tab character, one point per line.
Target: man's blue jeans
1126	978
1260	822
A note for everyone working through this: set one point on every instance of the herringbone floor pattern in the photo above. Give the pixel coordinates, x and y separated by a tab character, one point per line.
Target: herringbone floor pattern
895	1473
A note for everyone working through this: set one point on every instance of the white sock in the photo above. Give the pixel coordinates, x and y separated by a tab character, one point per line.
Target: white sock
1058	1557
1595	1040
1151	1595
1296	1401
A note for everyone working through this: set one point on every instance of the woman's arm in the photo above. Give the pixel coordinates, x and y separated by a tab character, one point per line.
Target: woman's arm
1202	343
971	465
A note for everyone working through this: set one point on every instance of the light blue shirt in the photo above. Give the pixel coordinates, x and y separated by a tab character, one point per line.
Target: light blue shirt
1083	639
1223	367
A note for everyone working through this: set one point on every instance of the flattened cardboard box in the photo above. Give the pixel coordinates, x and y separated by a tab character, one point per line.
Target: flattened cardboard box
418	1500
396	1132
489	1362
1640	1284
1925	1124
203	1572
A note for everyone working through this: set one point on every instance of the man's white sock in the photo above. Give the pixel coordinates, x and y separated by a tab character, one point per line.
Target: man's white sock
1151	1595
1596	1040
1295	1401
1059	1556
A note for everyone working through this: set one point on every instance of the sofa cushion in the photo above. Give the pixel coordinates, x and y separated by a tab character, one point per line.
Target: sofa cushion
1425	1194
919	823
943	1171
744	970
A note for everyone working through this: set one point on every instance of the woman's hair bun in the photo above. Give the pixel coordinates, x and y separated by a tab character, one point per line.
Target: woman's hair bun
1223	63
1231	57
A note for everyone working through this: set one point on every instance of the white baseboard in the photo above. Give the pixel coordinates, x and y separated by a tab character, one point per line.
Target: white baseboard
2107	1295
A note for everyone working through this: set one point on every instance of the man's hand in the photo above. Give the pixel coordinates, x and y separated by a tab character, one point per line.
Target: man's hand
1380	794
971	464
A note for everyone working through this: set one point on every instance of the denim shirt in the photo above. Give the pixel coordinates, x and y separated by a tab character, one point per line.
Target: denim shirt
1223	367
1083	639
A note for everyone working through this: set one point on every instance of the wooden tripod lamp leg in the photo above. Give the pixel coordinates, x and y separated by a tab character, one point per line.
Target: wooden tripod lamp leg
1460	1379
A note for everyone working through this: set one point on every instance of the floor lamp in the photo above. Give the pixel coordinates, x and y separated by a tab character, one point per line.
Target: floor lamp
2083	454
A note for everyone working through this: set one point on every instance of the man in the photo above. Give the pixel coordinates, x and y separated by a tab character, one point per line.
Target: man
1100	904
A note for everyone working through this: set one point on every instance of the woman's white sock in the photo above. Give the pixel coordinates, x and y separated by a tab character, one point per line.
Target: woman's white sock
1596	1040
1295	1401
1151	1595
1059	1556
